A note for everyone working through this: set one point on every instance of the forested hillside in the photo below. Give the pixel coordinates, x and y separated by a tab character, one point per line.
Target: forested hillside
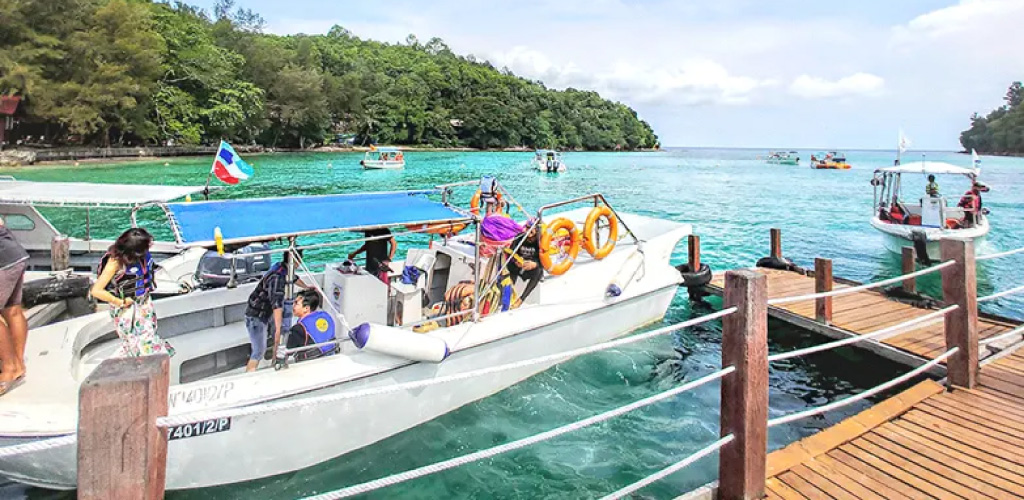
1002	130
136	71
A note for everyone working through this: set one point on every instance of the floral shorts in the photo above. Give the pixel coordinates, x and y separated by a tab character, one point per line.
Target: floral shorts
136	327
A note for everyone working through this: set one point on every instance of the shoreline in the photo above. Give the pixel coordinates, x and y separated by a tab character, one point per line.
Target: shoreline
115	160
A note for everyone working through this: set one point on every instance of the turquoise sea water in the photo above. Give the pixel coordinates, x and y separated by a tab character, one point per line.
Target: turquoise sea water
730	197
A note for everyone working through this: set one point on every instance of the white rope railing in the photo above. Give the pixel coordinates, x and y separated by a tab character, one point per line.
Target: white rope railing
36	446
1003	293
919	322
658	476
998	255
297	403
863	395
1003	336
515	445
859	288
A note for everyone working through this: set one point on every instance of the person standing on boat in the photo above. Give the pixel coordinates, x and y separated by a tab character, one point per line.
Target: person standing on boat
13	335
380	248
971	203
266	304
125	282
525	262
932	189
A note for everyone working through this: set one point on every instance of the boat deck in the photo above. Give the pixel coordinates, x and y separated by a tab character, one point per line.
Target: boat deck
923	443
863	312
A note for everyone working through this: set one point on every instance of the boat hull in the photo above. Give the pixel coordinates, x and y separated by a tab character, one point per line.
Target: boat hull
898	236
382	165
321	432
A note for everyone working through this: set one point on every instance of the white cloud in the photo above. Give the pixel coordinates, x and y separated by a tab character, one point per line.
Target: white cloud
968	15
813	87
689	82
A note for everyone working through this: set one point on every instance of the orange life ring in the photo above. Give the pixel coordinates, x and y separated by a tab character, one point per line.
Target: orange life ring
548	246
589	232
474	203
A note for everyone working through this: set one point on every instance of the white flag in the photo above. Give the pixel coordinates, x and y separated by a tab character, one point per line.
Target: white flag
904	142
974	159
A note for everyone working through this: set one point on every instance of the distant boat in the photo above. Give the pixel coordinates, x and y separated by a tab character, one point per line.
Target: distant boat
546	160
833	160
383	158
783	158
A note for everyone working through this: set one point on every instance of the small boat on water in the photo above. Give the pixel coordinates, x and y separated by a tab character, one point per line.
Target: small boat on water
383	158
783	158
546	160
833	160
584	299
923	221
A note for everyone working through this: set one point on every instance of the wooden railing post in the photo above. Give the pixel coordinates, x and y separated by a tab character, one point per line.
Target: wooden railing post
959	286
121	451
693	243
909	284
60	253
741	466
776	243
823	283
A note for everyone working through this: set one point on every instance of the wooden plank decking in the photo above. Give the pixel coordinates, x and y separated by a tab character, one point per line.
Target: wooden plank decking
924	443
864	312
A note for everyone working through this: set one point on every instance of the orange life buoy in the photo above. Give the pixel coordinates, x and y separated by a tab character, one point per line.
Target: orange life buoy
474	203
548	248
442	228
590	232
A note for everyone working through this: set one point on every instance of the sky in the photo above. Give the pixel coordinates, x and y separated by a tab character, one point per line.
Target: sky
729	73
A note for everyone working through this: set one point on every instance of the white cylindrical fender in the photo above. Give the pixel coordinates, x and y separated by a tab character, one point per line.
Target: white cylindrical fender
399	343
626	274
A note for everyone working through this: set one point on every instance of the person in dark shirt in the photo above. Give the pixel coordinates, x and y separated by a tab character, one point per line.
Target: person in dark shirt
380	249
13	334
265	309
525	262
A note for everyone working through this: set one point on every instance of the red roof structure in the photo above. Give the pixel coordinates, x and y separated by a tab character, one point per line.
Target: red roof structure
9	104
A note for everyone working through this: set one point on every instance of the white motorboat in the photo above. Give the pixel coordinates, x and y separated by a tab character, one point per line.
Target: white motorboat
546	160
923	222
567	311
20	200
383	158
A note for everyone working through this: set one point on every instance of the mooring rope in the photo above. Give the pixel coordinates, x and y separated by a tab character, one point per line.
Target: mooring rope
866	394
515	445
43	445
859	288
680	465
290	404
927	319
1004	293
1003	336
1000	254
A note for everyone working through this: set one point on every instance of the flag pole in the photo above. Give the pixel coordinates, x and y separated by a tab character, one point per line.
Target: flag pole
209	175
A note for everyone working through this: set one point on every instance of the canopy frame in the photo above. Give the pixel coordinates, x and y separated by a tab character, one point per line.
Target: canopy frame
98	202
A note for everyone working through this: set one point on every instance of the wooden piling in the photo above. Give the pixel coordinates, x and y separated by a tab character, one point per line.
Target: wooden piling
959	286
121	451
909	266
60	253
776	243
823	283
745	392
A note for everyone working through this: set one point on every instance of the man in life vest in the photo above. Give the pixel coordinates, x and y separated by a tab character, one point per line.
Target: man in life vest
313	327
971	203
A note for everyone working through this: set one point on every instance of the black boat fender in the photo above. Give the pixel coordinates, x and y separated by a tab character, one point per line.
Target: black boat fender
55	289
920	240
780	263
694	279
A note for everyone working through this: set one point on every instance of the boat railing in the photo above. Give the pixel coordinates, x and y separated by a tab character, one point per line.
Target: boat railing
598	199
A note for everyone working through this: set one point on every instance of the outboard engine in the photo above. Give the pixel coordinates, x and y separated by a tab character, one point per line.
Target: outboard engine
214	271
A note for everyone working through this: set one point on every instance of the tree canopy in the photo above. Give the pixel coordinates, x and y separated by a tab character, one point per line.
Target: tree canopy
1002	130
141	71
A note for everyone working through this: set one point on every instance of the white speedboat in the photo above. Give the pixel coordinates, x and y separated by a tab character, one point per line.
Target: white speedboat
923	221
577	308
20	200
546	160
383	158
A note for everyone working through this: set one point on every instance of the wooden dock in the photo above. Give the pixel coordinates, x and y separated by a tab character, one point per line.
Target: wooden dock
864	312
924	443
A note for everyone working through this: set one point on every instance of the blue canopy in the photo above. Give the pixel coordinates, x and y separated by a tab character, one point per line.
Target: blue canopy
245	221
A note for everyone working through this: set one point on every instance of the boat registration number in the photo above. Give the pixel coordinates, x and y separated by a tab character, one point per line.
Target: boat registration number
201	428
